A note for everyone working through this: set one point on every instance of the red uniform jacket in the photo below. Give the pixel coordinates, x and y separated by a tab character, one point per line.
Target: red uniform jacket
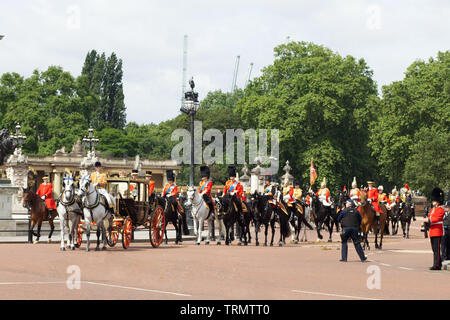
206	186
436	218
46	190
171	189
373	195
231	186
151	187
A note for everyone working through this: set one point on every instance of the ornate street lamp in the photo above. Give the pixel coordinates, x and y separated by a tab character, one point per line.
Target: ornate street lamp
90	141
190	107
18	137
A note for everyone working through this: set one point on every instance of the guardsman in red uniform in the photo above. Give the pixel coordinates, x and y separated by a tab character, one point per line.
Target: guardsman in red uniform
45	192
170	190
435	221
151	184
233	186
205	188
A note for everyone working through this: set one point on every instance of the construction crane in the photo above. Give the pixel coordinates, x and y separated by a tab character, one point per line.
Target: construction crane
250	68
236	69
184	69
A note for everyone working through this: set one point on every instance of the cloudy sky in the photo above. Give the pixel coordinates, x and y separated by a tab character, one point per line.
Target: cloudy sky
148	36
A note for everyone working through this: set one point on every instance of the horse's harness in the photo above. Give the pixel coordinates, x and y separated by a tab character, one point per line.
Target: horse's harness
96	203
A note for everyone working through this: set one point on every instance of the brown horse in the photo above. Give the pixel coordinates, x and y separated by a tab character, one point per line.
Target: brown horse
369	222
38	213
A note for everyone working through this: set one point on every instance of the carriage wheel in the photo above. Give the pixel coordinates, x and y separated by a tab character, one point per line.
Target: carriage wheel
126	233
157	226
79	234
114	234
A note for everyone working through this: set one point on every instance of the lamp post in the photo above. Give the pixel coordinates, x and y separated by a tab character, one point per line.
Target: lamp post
190	107
90	141
18	137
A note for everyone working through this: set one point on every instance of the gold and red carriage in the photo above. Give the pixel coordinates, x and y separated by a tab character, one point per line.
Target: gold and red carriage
135	210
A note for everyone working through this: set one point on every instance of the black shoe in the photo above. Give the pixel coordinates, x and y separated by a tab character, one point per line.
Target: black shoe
365	258
343	260
435	268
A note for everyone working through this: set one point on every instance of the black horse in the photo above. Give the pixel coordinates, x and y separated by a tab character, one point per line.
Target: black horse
406	215
322	216
171	214
297	217
268	213
232	213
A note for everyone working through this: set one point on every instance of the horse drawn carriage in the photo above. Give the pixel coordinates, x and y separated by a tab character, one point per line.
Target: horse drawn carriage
135	210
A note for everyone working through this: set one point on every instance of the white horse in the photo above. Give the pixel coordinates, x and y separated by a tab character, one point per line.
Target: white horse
95	210
69	212
200	213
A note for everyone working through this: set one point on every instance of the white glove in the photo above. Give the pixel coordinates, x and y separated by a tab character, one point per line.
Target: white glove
43	197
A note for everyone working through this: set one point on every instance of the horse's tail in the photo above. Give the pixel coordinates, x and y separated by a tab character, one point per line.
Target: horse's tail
285	229
185	226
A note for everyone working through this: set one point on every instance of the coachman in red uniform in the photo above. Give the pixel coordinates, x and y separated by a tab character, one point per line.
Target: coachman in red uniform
435	221
45	192
151	185
205	188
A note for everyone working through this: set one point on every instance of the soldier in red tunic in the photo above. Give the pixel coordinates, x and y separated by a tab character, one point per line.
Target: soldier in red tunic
171	190
45	192
205	188
233	187
435	221
372	195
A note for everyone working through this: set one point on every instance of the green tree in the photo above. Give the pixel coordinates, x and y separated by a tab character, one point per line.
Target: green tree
320	103
101	89
412	125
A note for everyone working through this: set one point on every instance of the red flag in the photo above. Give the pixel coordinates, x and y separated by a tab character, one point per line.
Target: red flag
312	173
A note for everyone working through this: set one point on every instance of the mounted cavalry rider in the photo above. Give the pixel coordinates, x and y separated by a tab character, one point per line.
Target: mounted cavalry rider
98	180
151	184
170	191
298	192
205	188
382	197
355	193
45	192
232	186
324	193
404	193
269	188
393	197
372	195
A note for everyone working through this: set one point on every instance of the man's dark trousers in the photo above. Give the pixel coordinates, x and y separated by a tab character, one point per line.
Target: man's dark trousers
350	232
436	246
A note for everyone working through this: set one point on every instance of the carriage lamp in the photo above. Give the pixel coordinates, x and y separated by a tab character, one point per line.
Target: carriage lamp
18	137
90	141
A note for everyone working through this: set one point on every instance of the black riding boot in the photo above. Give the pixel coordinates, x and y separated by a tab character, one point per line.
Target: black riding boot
50	212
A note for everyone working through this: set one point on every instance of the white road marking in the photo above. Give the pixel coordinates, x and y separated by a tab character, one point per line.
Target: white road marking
36	282
411	251
97	284
385	264
334	295
137	289
404	268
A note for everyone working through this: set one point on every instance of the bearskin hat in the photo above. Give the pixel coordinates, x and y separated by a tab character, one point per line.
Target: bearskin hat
205	172
437	195
232	171
170	175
